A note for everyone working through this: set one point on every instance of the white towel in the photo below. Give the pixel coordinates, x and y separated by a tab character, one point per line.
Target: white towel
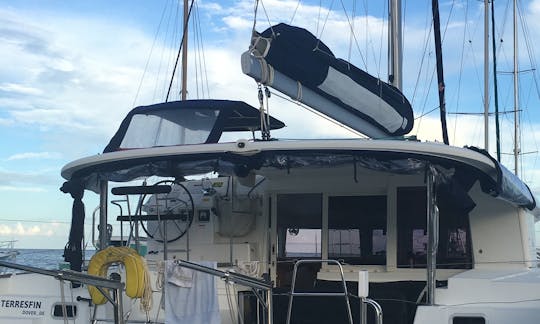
179	276
195	305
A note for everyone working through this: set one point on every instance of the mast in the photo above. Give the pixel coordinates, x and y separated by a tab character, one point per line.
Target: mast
495	86
516	95
395	58
486	74
184	52
440	74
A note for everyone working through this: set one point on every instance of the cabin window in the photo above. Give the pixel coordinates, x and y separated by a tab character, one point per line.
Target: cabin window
454	232
299	225
468	320
357	229
58	311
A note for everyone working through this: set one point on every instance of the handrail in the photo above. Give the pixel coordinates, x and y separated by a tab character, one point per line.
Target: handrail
377	308
75	276
344	294
94	227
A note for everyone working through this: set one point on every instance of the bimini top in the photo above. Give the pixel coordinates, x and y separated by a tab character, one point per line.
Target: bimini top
398	157
185	122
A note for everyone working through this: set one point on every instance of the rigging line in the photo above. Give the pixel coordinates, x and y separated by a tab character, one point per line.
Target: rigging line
319	16
501	33
184	35
267	17
295	10
429	28
473	57
353	34
366	14
353	13
448	19
384	19
429	86
204	60
149	55
461	64
319	36
427	113
172	41
530	49
161	60
318	114
198	33
196	56
255	9
529	124
424	54
200	50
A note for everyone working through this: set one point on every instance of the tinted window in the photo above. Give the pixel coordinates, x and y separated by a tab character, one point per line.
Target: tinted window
357	229
299	225
454	232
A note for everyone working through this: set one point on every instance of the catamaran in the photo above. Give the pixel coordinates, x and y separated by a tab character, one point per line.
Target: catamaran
260	230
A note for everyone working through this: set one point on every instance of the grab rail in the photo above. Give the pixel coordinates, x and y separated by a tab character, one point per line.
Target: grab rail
364	300
376	307
74	276
344	294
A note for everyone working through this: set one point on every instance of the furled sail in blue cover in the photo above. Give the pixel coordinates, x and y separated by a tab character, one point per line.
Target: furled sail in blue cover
293	61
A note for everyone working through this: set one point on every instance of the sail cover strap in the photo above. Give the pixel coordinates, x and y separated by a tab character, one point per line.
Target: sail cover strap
73	249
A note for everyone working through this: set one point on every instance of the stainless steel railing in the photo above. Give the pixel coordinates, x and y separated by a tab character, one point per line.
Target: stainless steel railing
363	300
75	276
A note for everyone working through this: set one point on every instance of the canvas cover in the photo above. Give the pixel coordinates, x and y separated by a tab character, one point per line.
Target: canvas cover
185	122
300	56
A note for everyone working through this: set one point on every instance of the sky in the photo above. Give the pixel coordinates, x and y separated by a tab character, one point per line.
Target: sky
71	70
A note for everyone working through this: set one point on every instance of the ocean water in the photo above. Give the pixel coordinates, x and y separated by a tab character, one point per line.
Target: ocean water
41	258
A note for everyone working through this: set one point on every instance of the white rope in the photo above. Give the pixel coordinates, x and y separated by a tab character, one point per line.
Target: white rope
160	285
313	111
146	299
63	301
229	302
299	93
72	301
236	303
160	279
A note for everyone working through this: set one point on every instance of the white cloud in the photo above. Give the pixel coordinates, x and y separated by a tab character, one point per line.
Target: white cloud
534	7
21	231
34	155
20	89
26	181
21	189
6	122
237	22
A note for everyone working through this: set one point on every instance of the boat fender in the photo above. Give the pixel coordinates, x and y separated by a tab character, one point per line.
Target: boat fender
136	271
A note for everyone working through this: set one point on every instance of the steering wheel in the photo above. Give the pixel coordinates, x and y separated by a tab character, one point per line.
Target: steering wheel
175	228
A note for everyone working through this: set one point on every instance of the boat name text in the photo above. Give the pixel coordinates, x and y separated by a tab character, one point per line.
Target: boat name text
20	303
